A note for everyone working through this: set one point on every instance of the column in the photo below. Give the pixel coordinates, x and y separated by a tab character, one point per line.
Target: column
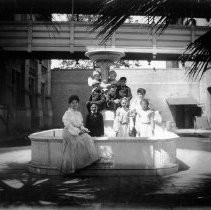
38	112
104	66
27	104
48	102
9	100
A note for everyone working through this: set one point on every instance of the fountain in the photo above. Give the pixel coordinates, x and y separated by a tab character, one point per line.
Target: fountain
119	155
104	59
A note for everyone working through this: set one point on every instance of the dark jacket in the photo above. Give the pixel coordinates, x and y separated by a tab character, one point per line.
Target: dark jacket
94	122
98	97
110	101
124	91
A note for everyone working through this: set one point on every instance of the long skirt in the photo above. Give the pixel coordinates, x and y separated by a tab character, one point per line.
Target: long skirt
78	152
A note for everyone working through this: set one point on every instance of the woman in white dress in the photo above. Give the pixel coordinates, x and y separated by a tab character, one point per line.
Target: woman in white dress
79	150
144	122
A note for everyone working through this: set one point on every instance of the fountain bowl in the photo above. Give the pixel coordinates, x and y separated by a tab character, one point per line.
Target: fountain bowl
105	55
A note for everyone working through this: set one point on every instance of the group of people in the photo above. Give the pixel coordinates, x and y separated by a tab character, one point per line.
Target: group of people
108	95
131	119
79	150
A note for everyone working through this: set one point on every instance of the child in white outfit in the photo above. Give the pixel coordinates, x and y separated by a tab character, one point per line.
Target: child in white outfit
122	119
144	122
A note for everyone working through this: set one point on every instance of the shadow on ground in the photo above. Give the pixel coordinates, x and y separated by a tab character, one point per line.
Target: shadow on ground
190	187
19	187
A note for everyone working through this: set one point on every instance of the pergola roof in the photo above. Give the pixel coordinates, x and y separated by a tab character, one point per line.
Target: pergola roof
196	8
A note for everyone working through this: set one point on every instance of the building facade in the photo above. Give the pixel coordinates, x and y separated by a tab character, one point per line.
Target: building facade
25	92
25	95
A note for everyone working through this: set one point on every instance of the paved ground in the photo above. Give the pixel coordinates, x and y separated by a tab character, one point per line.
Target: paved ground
189	188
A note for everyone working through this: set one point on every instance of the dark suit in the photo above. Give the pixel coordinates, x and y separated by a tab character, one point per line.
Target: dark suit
111	96
98	97
94	122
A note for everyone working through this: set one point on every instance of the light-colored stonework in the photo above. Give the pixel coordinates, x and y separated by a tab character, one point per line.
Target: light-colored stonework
119	156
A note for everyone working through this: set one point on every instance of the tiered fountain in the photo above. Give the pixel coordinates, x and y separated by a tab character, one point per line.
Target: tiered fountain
119	155
104	59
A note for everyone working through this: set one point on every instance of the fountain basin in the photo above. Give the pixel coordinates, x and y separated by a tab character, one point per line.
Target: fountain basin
105	55
119	156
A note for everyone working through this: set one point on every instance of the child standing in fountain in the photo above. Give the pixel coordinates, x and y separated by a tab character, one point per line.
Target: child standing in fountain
144	122
122	119
94	121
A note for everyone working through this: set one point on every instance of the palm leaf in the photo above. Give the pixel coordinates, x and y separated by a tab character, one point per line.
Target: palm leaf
199	52
115	12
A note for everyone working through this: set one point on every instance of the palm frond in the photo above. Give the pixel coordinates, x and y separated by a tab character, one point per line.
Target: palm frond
115	12
199	52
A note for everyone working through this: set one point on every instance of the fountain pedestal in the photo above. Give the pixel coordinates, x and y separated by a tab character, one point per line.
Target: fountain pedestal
104	59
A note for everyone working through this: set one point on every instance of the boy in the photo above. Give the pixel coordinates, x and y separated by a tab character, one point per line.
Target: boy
96	96
112	98
94	121
123	90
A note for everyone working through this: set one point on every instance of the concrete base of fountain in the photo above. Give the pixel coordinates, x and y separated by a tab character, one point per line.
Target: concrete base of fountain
119	156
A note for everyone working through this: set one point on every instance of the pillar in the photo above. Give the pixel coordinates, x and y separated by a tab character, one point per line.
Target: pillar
38	111
104	66
48	102
27	104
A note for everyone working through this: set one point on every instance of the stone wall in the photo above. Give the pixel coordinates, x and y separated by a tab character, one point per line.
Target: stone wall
159	84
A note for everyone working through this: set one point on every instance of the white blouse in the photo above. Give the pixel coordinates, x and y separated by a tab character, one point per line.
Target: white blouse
73	121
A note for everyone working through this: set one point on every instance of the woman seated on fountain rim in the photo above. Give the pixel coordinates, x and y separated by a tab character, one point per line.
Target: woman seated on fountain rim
78	147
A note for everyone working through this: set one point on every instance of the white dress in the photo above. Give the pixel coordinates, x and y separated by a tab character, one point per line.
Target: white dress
143	123
79	151
135	105
122	122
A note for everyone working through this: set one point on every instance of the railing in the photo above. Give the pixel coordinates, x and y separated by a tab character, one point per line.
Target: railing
76	37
